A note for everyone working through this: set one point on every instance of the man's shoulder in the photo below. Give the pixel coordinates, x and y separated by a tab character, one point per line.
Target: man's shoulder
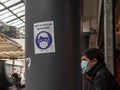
104	73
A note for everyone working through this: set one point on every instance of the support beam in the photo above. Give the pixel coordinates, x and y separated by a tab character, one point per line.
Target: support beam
109	34
53	66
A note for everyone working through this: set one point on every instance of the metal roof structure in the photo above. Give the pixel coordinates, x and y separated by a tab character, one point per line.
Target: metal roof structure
12	12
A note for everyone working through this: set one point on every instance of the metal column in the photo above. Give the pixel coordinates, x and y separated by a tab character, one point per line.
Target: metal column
60	69
109	34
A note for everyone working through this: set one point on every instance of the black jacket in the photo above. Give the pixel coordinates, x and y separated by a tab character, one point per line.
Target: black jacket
102	79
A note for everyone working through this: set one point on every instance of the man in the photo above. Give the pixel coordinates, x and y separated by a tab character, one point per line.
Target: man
94	68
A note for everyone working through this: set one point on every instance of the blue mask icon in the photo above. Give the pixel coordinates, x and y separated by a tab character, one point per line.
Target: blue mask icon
84	66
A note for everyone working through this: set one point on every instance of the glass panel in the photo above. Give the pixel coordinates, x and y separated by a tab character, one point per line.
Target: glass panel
11	2
20	25
19	22
21	13
18	10
10	18
23	18
4	12
12	22
17	6
6	15
2	1
1	7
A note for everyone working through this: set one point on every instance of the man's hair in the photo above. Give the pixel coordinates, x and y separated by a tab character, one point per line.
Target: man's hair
94	53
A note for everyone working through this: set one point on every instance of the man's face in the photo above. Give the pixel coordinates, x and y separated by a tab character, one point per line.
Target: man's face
91	63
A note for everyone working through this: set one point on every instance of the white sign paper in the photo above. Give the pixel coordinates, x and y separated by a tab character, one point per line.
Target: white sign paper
44	37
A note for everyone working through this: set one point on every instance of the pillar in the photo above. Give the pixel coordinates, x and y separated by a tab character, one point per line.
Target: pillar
53	44
109	34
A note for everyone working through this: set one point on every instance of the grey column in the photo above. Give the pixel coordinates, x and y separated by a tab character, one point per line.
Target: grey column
59	70
109	34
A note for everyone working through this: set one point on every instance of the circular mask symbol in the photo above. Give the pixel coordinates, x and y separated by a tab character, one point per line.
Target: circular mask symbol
43	40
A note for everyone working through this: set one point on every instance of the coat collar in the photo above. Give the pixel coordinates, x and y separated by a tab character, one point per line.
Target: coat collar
93	71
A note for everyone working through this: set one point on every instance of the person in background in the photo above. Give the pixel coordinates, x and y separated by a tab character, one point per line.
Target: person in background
94	68
16	80
117	65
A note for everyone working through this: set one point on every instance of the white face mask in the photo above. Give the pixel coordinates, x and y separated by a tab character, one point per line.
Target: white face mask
84	66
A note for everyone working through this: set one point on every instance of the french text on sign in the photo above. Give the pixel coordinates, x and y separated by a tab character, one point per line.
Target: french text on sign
44	41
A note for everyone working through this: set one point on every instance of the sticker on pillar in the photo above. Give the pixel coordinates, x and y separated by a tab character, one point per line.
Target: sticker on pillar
44	37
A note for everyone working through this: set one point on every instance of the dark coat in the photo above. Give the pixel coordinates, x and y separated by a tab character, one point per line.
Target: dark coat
102	79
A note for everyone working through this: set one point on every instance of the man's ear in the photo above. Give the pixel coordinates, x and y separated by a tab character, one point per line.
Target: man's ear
95	61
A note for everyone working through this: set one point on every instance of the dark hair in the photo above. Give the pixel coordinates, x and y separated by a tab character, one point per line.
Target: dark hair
15	75
94	53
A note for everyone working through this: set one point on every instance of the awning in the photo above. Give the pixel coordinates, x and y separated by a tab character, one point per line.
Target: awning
10	49
12	55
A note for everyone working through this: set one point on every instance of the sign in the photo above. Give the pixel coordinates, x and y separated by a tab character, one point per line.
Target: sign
44	37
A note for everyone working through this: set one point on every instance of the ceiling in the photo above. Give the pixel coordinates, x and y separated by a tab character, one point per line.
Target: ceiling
12	12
